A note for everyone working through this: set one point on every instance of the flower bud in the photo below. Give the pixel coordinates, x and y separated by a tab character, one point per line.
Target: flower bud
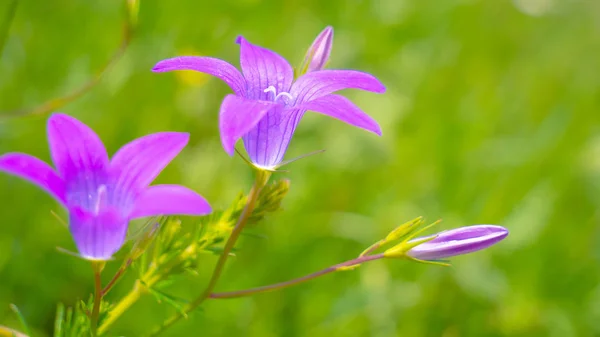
449	243
318	53
458	241
404	229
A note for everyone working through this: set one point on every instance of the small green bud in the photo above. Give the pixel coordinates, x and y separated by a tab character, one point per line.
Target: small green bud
404	229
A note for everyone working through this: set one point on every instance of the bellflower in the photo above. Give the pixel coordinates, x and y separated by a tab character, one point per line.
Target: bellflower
457	241
268	104
318	54
103	195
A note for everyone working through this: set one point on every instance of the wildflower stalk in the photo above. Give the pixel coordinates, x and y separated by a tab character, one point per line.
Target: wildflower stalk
97	266
262	177
338	267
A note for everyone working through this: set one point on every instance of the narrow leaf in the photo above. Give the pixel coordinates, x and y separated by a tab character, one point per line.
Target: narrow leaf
21	319
58	321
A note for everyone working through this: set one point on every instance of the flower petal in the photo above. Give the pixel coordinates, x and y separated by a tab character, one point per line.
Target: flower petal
324	82
97	236
138	163
75	148
263	68
209	65
341	108
237	116
267	142
459	241
35	171
169	200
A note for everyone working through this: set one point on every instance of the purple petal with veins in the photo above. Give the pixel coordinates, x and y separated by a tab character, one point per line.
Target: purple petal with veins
102	196
268	110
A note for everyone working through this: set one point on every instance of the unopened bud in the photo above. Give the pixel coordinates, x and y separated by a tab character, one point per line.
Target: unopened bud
449	243
404	229
318	54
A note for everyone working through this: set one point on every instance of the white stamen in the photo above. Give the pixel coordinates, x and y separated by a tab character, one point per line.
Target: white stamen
271	89
288	95
277	96
101	198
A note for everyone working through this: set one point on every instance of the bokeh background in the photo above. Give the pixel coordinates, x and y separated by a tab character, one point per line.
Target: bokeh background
492	115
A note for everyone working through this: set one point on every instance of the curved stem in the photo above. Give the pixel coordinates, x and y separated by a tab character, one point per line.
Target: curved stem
261	180
97	266
281	285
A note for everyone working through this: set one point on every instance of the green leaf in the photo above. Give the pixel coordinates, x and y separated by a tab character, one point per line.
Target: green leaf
21	318
175	302
59	320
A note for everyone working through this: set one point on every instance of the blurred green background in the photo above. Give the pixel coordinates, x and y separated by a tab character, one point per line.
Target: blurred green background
492	115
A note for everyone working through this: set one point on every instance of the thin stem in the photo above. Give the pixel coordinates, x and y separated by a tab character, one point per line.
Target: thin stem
372	248
116	277
261	180
97	266
281	285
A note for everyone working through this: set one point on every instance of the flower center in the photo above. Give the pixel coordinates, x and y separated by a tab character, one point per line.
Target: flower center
276	96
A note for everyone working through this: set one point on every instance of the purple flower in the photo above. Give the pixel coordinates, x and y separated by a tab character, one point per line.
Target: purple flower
102	195
318	53
268	105
457	241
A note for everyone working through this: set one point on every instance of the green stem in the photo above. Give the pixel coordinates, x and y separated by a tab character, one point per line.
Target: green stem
97	266
261	180
281	285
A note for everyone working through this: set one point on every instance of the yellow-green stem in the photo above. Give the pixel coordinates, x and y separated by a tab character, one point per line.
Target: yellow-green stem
262	177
